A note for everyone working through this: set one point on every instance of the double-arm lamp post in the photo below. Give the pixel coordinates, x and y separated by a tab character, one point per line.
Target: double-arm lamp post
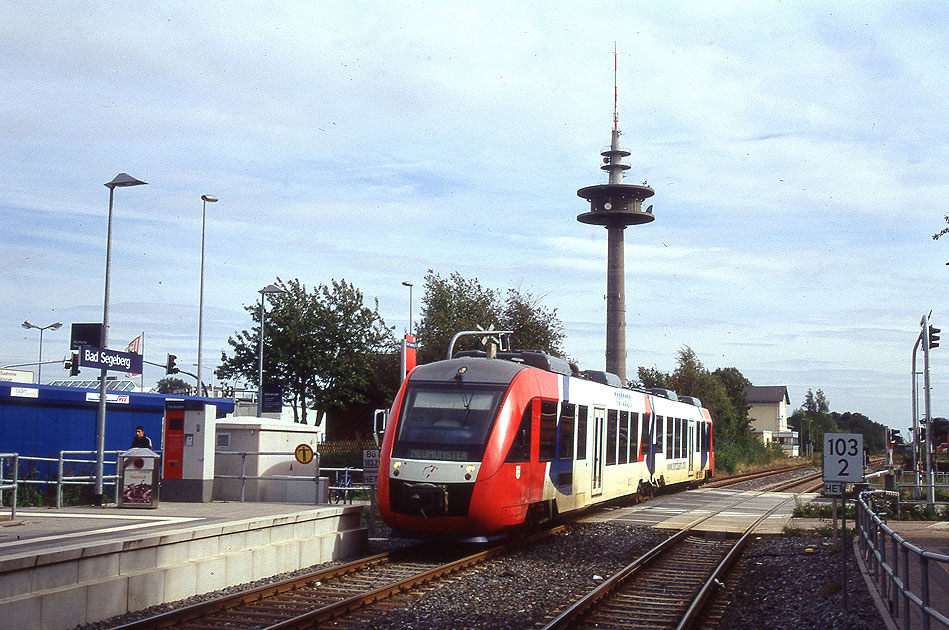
39	366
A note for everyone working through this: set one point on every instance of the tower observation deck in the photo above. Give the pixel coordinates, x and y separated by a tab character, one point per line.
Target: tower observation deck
615	206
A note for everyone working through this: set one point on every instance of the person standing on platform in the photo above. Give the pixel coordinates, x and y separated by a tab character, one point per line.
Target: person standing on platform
141	440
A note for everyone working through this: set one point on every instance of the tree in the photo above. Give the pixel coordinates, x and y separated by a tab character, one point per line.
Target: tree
322	346
172	385
943	231
535	328
721	392
456	303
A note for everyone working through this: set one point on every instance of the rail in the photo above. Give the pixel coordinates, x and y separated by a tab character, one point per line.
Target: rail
13	484
61	479
342	488
243	477
894	562
919	486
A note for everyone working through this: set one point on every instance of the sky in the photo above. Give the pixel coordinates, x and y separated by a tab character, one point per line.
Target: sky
797	151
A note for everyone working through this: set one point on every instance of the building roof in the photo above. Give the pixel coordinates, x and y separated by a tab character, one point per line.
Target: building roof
766	394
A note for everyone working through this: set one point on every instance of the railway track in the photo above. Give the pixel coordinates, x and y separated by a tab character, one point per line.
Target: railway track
338	592
667	587
315	598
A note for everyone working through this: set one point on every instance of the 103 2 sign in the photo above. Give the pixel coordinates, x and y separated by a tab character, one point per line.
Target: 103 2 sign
843	457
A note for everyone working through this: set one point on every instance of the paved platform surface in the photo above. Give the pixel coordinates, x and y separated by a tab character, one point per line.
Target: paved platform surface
742	508
42	529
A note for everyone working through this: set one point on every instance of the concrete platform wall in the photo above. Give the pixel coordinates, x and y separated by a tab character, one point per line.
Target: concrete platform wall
79	584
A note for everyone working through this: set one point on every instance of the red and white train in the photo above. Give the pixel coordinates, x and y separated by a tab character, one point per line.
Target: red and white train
476	447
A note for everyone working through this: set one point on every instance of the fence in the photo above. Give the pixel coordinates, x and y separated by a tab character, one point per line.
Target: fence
919	483
65	457
900	568
13	483
343	486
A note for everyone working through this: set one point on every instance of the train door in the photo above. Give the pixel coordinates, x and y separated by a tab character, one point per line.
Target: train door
690	446
599	422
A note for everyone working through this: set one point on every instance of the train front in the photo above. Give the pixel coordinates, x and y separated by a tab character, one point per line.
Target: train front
450	427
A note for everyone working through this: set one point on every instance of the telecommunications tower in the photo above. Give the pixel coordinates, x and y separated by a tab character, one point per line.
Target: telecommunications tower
615	206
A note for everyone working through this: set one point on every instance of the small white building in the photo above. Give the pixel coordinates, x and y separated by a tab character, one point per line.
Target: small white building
268	445
768	410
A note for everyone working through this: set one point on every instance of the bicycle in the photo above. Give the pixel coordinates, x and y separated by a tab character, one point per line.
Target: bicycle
341	493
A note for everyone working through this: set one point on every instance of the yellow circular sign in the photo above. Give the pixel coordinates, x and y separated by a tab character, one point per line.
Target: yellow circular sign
303	453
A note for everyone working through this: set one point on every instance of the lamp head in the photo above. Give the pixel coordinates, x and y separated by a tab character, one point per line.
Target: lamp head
28	324
208	198
122	180
407	284
271	289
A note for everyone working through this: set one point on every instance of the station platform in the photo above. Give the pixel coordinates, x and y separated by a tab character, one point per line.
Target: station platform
60	568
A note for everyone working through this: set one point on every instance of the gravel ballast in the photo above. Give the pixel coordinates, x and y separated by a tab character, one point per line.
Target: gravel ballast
786	582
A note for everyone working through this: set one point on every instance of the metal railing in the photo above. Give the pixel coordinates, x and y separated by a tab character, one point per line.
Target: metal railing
243	477
61	479
343	487
890	558
13	483
917	482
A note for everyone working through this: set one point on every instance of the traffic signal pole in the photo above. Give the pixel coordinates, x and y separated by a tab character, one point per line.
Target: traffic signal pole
930	340
916	423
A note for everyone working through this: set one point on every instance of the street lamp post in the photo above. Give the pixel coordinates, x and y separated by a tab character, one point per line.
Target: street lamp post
122	180
409	285
205	199
270	289
54	326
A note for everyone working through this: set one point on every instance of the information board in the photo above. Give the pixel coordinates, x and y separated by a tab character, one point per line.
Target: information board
843	457
370	466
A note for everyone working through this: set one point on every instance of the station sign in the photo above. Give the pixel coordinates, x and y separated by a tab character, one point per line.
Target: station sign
105	359
370	466
833	488
272	399
843	458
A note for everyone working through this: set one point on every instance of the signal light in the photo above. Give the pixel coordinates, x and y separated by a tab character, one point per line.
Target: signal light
934	337
170	367
72	364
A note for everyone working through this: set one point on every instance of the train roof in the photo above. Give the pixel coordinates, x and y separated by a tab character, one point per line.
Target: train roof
505	365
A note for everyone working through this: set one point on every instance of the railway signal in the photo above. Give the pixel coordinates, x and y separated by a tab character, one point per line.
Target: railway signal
934	337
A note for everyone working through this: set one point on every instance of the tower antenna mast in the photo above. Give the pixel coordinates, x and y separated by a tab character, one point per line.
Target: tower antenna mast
616	206
615	93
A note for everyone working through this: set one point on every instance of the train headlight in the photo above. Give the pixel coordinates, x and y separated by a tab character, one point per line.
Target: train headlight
468	470
395	468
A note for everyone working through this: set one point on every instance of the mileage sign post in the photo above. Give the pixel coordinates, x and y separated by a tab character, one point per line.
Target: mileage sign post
843	464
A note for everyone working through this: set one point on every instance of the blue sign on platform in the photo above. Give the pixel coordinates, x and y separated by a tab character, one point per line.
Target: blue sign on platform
105	359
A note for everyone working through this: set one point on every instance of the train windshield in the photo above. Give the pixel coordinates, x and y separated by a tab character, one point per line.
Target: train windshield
448	422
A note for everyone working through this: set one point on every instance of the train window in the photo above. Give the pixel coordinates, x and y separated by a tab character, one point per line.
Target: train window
448	422
657	430
680	438
611	422
633	436
623	437
521	446
548	430
582	432
676	438
568	412
669	434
